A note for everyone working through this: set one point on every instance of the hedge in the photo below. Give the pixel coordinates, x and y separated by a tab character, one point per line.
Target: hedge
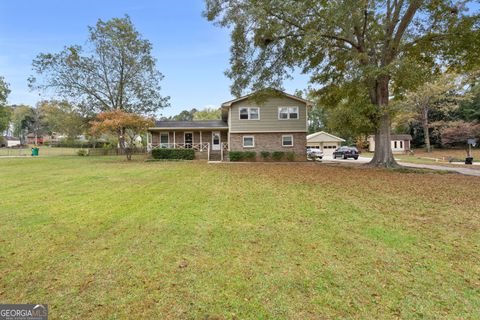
182	154
277	155
242	155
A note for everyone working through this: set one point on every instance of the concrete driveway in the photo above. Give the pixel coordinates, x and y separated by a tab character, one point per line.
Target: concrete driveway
363	160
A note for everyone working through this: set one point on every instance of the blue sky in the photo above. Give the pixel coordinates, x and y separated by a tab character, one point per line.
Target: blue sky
191	52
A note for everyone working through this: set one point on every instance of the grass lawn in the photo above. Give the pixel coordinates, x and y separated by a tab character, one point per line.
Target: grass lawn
100	238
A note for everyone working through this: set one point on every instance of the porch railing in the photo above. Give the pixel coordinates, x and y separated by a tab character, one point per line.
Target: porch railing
195	146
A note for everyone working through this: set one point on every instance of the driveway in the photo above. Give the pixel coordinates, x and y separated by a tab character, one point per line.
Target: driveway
363	160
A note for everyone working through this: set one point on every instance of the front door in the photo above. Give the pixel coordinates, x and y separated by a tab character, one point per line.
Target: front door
188	139
215	140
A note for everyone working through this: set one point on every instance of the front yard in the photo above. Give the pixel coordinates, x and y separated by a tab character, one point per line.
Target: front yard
98	237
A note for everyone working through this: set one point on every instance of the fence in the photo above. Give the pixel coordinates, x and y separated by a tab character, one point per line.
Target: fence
54	151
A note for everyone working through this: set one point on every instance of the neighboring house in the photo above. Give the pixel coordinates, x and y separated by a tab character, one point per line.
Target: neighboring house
9	141
277	123
400	143
324	141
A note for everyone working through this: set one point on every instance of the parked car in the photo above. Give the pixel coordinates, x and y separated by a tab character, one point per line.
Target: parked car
346	152
314	153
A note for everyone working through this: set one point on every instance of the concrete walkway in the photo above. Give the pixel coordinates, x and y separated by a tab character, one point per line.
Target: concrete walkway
461	170
363	160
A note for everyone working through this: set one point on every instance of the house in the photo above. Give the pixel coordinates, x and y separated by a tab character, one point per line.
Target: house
400	143
9	141
276	122
324	141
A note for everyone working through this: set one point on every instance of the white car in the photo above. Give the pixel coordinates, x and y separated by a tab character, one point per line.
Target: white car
314	154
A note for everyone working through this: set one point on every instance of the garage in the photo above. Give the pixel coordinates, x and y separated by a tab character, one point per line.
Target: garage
325	141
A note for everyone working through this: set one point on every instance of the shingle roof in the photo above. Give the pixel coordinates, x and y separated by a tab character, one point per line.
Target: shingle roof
195	124
397	136
11	138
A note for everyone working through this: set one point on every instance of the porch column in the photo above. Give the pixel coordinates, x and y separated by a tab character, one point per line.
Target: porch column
173	139
201	148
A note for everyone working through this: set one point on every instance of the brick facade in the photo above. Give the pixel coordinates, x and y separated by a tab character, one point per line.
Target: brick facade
271	142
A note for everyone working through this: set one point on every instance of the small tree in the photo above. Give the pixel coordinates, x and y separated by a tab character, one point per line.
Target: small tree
456	133
127	126
5	113
442	94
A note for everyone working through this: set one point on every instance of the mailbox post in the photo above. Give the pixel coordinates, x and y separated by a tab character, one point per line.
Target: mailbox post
471	143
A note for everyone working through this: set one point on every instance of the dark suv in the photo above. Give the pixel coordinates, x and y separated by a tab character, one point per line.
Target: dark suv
346	152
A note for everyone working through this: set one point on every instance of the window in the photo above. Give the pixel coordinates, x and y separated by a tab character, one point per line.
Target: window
248	141
285	113
251	113
401	144
395	144
287	141
164	140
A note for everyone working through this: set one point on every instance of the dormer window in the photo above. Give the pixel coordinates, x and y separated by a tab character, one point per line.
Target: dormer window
250	113
285	113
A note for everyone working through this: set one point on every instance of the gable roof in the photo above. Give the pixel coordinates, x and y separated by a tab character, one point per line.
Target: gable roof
330	137
194	124
396	136
10	138
229	103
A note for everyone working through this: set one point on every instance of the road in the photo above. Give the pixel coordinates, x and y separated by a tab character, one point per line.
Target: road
363	160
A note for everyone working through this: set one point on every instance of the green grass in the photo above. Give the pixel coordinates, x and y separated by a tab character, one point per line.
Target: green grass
102	238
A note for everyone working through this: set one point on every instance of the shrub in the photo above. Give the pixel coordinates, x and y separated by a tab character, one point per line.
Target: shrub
82	152
265	155
242	155
278	155
235	155
181	154
290	156
249	155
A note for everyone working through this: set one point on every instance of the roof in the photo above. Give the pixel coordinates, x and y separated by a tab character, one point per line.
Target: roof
229	103
194	124
11	138
396	136
330	137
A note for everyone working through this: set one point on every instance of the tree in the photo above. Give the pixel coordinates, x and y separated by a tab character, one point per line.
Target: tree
185	115
208	114
5	113
61	117
20	121
376	45
116	71
456	133
442	93
127	126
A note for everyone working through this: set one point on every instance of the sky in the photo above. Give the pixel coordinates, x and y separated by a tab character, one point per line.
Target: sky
191	52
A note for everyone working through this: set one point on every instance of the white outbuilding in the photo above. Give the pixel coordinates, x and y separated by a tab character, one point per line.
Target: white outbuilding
324	141
11	141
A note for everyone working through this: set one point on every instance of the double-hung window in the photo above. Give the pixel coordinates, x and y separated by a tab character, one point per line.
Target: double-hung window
249	113
287	140
164	140
248	142
285	113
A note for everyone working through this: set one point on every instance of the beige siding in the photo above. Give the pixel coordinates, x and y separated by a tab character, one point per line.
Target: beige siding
269	121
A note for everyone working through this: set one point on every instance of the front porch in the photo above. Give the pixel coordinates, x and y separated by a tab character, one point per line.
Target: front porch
211	145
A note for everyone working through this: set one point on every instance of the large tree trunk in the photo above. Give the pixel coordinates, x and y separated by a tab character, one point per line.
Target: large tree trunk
383	156
426	134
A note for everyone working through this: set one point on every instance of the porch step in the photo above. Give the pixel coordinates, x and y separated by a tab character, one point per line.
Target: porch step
215	156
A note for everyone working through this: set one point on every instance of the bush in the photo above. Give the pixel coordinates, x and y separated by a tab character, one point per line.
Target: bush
290	156
82	152
78	144
278	155
181	154
242	155
249	155
265	155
